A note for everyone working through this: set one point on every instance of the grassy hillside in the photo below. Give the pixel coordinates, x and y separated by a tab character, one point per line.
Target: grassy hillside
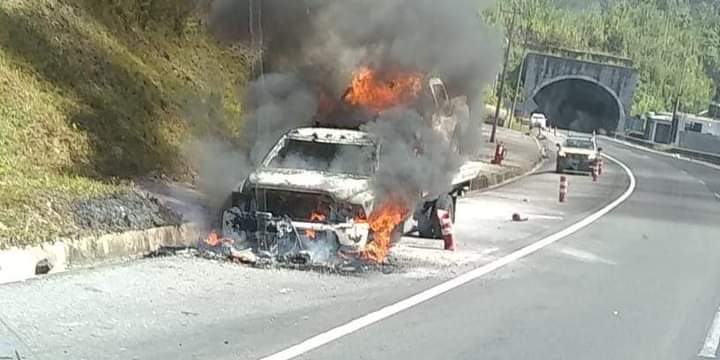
96	92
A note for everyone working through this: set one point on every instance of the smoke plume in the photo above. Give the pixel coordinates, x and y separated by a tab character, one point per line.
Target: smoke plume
312	47
326	40
280	102
416	159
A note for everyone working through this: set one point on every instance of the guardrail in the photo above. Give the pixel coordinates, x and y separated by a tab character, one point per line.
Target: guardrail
692	154
697	155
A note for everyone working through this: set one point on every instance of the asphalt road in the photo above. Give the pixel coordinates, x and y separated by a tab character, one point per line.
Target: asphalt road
649	290
639	283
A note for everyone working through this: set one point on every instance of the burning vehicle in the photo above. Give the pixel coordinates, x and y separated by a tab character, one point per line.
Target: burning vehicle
314	198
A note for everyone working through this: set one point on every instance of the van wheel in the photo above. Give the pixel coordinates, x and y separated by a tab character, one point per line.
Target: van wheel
429	224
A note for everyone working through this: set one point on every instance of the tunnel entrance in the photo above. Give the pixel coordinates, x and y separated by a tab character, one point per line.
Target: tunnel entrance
579	104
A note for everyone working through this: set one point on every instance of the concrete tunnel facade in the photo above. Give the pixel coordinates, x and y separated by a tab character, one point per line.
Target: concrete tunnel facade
579	103
580	95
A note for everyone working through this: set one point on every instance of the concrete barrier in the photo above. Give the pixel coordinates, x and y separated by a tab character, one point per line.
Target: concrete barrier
692	154
17	264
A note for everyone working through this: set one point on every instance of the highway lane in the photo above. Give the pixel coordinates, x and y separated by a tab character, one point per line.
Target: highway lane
645	287
189	308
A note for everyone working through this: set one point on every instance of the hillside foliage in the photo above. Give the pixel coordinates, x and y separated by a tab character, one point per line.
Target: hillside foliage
94	93
674	44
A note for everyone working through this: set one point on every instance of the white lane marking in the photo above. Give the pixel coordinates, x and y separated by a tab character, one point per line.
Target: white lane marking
585	256
543	217
390	310
717	196
712	340
702	182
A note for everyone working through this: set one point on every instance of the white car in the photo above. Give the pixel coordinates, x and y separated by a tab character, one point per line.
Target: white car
577	154
538	120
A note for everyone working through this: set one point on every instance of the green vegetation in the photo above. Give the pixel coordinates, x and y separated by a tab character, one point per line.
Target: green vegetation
96	92
674	44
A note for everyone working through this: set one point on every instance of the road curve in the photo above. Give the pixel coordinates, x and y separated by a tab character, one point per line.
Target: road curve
640	283
552	304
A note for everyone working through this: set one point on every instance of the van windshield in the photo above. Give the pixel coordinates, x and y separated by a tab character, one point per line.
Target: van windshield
579	143
353	159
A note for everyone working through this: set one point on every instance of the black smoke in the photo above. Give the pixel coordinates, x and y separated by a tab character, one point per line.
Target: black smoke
416	160
326	40
311	48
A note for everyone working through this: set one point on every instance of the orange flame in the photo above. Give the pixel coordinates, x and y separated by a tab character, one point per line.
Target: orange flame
379	91
315	216
383	222
213	239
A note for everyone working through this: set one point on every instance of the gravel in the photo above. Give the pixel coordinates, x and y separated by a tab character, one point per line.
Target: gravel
123	212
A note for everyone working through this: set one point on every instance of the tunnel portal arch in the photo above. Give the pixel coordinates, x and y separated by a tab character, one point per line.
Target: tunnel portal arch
579	103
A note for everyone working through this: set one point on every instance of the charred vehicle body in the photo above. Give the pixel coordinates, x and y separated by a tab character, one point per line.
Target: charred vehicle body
312	195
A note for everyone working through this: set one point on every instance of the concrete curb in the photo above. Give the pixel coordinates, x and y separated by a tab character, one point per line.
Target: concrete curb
508	176
18	264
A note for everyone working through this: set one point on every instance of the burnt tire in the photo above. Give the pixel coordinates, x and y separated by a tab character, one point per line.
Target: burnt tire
228	203
429	224
425	227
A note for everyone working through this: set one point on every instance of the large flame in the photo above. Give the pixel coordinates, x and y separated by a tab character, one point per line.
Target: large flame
383	222
378	91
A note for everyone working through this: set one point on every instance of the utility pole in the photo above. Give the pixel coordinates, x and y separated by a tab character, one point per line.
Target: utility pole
675	122
502	77
525	33
517	88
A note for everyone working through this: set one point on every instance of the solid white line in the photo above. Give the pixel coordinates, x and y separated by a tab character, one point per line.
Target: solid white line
390	310
713	338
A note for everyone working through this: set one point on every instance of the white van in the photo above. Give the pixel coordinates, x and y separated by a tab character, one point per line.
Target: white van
538	120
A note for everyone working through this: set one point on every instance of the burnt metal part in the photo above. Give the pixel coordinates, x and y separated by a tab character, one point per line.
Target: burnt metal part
296	205
275	239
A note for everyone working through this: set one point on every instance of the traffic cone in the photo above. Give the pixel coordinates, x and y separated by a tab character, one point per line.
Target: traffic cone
594	171
446	227
563	188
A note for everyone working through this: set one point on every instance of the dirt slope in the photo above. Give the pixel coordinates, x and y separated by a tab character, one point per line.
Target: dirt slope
94	93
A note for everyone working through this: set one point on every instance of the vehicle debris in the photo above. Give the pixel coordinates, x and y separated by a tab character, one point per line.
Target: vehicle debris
518	218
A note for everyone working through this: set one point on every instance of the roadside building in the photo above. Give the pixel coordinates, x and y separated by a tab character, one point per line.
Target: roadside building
694	132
